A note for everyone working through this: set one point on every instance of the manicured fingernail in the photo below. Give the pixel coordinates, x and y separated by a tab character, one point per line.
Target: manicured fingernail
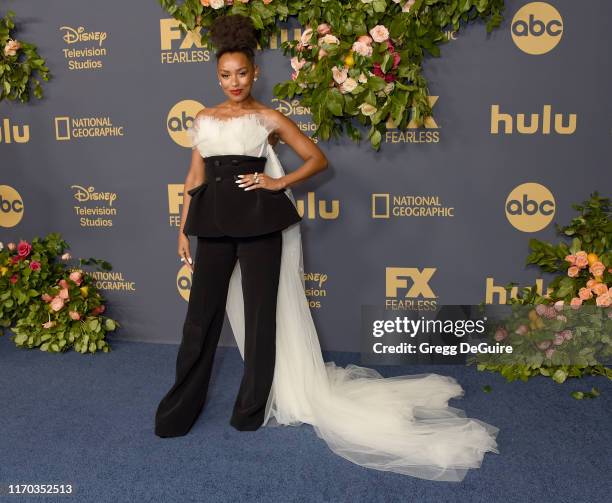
190	261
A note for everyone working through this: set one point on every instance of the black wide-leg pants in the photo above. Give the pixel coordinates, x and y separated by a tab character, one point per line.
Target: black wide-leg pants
215	258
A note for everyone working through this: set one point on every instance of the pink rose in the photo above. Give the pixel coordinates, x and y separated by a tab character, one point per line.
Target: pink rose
597	269
571	259
379	33
521	330
76	276
365	39
64	294
406	7
294	75
11	48
549	352
581	259
57	303
323	29
500	334
11	246
559	339
48	324
35	265
604	300
559	305
600	289
63	283
339	74
540	309
562	317
297	64
544	345
74	315
362	49
585	293
46	297
591	283
566	334
573	271
23	249
576	302
305	38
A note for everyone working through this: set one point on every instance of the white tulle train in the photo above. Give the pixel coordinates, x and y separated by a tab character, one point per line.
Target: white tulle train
401	424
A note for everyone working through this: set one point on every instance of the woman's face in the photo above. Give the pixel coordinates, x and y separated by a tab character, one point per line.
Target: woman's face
236	74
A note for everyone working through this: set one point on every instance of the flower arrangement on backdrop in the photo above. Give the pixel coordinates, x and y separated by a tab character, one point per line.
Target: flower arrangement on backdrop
49	304
356	59
19	61
567	332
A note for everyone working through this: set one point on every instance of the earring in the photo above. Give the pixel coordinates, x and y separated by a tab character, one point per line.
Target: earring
255	78
219	82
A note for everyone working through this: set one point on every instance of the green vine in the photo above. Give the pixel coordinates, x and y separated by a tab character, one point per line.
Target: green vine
357	60
19	61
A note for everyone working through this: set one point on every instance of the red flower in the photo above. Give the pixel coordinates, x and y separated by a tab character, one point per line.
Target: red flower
14	279
35	265
23	248
15	259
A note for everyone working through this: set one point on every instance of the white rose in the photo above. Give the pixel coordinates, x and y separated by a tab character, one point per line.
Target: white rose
348	85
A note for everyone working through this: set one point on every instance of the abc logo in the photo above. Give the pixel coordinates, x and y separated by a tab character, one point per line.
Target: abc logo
530	207
537	28
183	282
11	206
180	118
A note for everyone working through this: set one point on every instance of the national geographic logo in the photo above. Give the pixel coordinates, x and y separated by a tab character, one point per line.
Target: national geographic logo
537	123
397	280
12	133
414	134
537	28
177	47
183	282
180	118
112	280
385	205
11	207
312	209
530	207
103	206
317	291
499	293
69	128
297	111
87	56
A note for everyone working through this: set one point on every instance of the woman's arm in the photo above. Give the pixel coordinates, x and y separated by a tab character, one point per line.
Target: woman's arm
314	158
195	177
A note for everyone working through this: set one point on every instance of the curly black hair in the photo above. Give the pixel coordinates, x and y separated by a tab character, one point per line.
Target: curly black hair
234	33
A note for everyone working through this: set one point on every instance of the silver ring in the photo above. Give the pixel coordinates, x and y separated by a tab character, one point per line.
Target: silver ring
182	259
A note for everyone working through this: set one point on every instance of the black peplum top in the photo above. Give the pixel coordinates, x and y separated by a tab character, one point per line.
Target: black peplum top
219	207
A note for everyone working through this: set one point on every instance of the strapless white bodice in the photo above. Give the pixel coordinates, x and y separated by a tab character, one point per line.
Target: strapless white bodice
245	134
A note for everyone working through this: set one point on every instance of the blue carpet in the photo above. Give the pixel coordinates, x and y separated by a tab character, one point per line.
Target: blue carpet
87	420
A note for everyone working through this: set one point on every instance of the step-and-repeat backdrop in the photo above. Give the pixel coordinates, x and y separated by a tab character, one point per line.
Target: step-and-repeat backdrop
441	215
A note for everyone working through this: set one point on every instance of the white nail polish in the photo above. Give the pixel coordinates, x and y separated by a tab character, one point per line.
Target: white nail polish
190	261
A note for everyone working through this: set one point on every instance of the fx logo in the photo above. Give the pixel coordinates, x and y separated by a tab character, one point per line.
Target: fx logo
397	277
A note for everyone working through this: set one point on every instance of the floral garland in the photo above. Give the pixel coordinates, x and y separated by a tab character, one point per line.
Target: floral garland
18	62
356	59
48	305
568	331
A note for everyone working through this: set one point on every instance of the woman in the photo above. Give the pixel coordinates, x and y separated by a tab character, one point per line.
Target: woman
401	424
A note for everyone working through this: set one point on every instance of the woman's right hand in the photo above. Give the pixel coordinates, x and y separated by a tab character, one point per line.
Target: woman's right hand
183	250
